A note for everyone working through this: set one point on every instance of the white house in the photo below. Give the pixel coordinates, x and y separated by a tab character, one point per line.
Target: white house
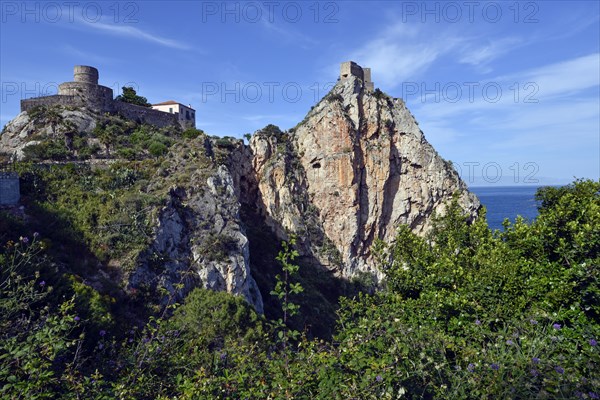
187	115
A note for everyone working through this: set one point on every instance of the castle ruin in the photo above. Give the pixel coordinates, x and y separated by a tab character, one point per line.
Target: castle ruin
350	68
85	91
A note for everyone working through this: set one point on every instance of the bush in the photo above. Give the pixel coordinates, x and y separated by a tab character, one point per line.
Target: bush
210	319
157	149
48	150
128	154
225	143
192	133
216	247
336	97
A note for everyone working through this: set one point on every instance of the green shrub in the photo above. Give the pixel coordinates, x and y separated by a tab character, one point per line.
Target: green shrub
48	150
336	97
157	149
210	319
192	133
128	154
217	247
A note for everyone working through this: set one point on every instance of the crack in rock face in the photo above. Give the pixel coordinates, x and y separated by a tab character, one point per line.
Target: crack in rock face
365	167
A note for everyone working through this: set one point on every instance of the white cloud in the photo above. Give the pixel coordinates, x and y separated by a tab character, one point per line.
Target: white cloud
135	33
481	55
84	55
567	77
288	35
401	52
536	87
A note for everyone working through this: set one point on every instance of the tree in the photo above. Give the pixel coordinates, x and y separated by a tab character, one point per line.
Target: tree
130	96
69	129
54	118
108	135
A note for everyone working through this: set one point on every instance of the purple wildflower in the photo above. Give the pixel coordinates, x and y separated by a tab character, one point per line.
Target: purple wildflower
556	326
102	332
593	342
24	239
560	370
223	356
100	346
533	321
495	366
477	322
35	235
130	340
378	378
593	395
471	367
534	372
43	283
76	318
509	342
535	360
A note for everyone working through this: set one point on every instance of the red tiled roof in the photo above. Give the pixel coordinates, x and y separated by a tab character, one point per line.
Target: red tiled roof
171	102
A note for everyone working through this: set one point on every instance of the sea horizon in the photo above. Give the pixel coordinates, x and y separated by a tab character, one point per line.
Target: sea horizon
503	202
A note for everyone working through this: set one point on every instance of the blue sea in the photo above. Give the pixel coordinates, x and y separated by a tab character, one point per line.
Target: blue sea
507	202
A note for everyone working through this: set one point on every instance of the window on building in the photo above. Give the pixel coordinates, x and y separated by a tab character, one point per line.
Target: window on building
171	110
187	114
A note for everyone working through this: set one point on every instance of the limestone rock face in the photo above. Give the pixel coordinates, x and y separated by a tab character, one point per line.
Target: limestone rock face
362	165
199	241
26	130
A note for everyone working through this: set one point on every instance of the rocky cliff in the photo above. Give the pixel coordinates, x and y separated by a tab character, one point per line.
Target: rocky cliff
354	169
351	172
199	241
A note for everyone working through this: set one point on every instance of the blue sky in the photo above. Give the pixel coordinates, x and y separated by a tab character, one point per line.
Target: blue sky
509	91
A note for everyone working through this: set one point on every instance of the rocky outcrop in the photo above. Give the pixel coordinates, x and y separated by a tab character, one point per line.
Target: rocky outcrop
199	241
28	129
361	165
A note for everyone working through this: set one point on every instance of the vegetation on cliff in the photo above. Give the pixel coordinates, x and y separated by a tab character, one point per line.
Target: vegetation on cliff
467	313
463	312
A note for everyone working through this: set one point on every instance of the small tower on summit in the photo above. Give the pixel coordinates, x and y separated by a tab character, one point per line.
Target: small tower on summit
350	68
83	73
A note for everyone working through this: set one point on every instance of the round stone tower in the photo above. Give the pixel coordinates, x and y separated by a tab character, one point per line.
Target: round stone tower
83	73
84	91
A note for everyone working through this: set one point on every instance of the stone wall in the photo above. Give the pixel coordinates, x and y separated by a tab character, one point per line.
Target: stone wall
85	92
9	188
144	114
97	97
49	101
